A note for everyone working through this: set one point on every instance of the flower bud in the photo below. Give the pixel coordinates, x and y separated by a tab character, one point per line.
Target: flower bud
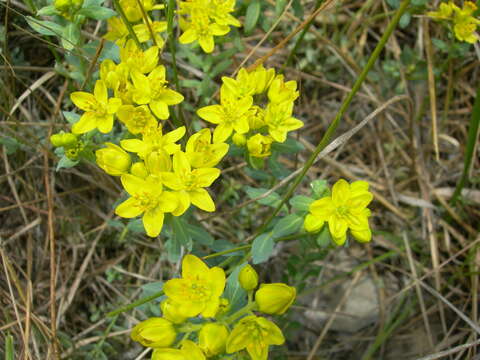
259	145
139	170
63	139
113	159
154	332
213	339
171	311
248	278
239	139
275	298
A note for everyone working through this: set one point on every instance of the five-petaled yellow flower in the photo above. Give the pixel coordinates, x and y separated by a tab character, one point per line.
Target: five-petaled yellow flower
99	109
254	334
189	184
345	209
148	198
201	152
198	291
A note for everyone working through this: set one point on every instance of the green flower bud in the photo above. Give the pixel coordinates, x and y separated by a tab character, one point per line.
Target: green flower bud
154	332
63	139
248	278
275	298
239	139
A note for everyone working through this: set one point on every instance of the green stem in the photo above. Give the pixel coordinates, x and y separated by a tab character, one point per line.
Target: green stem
346	103
245	310
135	304
119	8
471	141
171	43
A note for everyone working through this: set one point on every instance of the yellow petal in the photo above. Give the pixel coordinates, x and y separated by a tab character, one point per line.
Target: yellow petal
132	184
84	100
340	192
160	109
180	163
188	36
313	223
207	44
87	122
105	124
193	267
128	209
100	92
153	221
337	227
211	113
206	176
216	276
201	199
222	132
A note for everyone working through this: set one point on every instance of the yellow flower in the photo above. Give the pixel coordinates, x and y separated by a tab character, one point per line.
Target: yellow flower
465	31
278	117
445	11
345	209
201	153
154	140
262	79
137	60
172	311
139	170
136	119
152	90
280	91
254	334
113	160
275	299
212	339
116	77
230	115
63	139
199	289
117	31
133	11
243	85
154	332
147	198
188	351
256	118
202	30
259	145
248	278
143	32
189	184
99	109
219	11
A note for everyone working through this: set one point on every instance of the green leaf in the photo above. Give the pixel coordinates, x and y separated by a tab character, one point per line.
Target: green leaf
199	235
136	226
262	248
220	67
319	187
71	117
301	202
287	226
252	16
235	294
290	146
180	232
419	2
44	27
9	350
11	144
324	238
405	20
394	3
47	11
272	199
173	249
97	12
151	288
66	163
71	36
279	7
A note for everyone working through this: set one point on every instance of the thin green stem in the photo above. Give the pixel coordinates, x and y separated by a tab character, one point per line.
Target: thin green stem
135	304
346	103
471	144
245	310
119	8
171	43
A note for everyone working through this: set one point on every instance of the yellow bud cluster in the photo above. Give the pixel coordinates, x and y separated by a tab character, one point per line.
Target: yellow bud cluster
198	293
462	19
253	126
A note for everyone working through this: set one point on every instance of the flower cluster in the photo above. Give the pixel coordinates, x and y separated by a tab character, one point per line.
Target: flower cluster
462	19
67	8
158	175
345	209
257	107
198	293
143	26
201	20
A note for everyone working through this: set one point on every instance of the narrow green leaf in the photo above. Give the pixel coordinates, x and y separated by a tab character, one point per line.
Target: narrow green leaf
262	248
97	12
324	238
9	350
45	27
234	292
47	11
173	247
319	187
71	36
66	163
301	202
252	16
180	232
287	226
200	235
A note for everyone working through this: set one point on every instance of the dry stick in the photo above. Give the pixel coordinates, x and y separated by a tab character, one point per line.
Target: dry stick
431	86
450	351
417	289
93	62
333	316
